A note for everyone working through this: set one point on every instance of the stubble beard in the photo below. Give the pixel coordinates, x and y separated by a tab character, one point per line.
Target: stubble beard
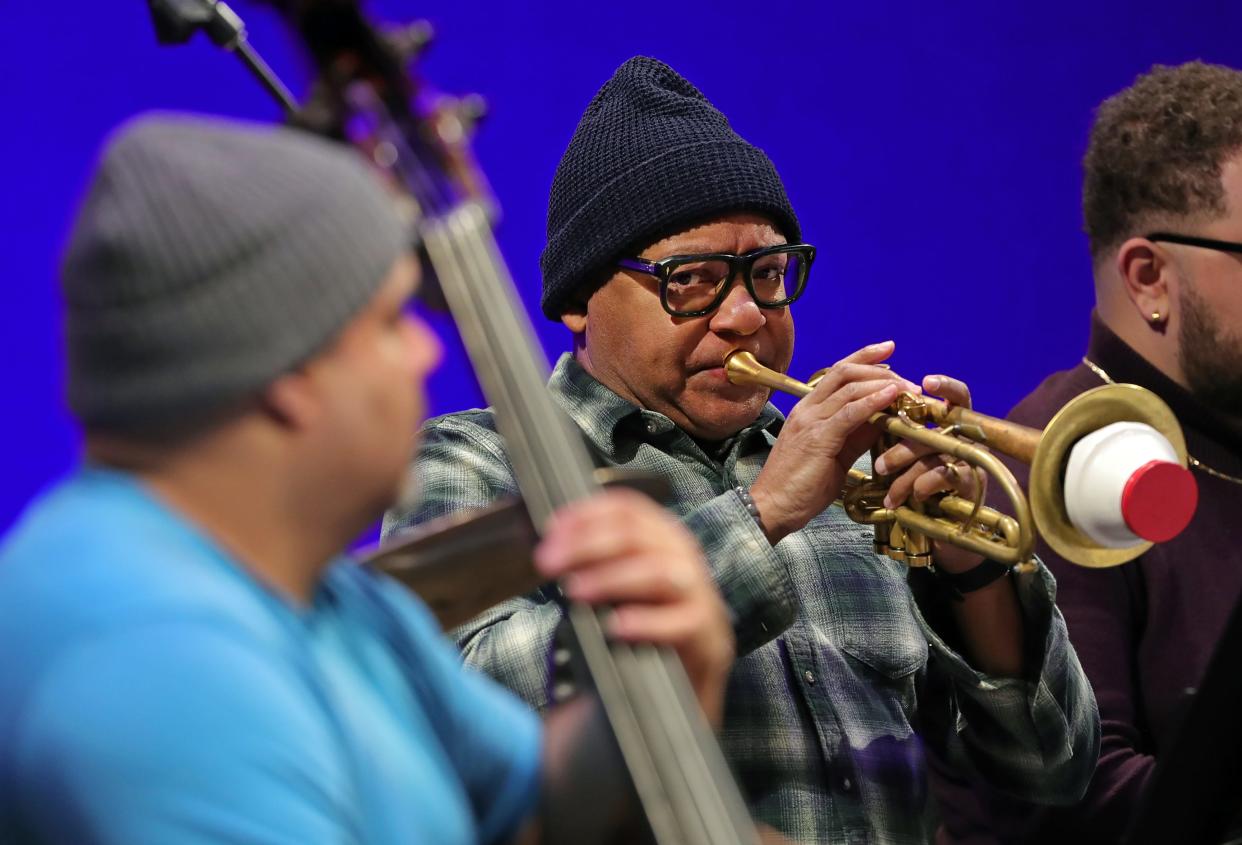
1210	355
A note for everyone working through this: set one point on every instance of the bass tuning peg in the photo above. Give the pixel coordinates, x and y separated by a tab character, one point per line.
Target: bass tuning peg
409	41
471	109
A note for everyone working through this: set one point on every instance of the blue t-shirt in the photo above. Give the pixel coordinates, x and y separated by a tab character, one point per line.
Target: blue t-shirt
151	690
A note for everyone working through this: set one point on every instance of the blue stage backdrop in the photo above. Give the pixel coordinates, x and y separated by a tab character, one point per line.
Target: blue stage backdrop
931	150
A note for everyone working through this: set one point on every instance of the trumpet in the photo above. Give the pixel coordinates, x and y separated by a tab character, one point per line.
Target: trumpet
905	533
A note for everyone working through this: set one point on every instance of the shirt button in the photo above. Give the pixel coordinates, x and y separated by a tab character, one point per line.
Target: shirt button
846	784
809	675
652	427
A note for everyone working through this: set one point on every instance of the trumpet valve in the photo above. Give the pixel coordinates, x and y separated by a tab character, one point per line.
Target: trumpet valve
891	542
910	406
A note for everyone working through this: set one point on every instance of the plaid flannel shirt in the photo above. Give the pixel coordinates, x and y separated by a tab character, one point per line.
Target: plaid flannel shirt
841	684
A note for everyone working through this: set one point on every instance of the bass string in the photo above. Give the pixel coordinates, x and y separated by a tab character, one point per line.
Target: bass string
449	251
562	466
682	782
641	677
449	248
672	725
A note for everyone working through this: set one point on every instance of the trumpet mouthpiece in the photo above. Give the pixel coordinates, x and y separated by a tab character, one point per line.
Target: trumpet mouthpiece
741	367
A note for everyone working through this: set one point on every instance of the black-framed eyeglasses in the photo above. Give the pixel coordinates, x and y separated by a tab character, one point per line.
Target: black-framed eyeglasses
1191	240
694	285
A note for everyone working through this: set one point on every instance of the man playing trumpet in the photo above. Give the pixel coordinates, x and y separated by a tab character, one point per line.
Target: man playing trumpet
671	243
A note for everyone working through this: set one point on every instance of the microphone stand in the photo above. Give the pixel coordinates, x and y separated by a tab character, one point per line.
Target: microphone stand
176	21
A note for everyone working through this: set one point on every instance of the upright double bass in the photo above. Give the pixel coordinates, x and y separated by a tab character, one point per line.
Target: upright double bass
366	94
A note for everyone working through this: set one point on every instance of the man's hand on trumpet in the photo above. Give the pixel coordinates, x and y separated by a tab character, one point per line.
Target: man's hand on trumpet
824	434
828	430
918	472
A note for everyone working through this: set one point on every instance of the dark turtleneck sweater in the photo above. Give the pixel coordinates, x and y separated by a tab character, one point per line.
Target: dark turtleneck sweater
1144	631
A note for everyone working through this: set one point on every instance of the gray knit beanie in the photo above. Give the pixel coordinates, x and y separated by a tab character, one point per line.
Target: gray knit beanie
209	257
650	157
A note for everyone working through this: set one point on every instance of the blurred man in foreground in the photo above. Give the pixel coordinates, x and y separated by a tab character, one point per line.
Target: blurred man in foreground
183	656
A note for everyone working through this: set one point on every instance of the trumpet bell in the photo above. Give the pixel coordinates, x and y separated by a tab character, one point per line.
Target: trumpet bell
1082	415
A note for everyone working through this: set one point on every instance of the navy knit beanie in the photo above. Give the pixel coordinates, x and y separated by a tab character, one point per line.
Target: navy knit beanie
651	156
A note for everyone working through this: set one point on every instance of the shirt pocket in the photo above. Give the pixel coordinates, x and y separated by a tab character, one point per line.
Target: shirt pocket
894	657
874	611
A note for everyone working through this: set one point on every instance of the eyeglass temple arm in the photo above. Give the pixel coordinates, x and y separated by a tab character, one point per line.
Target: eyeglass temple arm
1191	240
642	266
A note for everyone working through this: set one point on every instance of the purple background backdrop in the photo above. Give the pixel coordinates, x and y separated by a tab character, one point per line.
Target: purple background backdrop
931	153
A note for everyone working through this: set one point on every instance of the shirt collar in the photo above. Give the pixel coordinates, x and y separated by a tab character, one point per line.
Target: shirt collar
601	414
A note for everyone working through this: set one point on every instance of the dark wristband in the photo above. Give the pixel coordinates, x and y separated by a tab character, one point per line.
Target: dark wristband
975	578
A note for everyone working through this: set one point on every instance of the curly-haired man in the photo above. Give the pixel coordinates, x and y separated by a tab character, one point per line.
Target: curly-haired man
1162	204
